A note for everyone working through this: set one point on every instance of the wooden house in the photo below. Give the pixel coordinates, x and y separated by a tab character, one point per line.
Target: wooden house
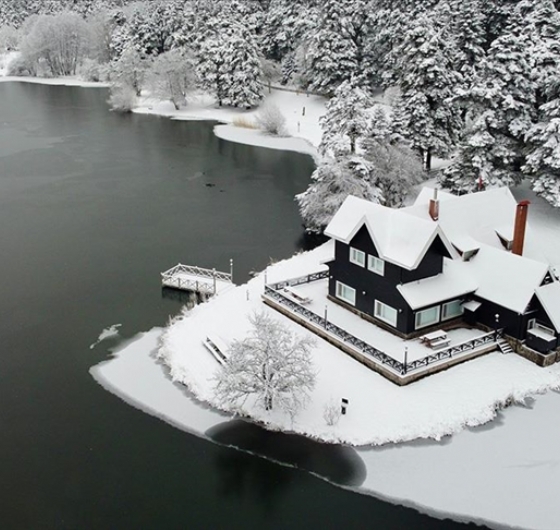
445	259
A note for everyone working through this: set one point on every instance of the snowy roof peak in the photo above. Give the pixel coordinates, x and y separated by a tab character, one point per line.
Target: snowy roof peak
399	238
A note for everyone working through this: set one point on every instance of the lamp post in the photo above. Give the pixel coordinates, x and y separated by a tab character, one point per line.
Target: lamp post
405	360
326	308
497	325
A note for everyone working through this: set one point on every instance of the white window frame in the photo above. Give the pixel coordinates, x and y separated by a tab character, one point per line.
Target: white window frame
432	322
340	287
377	312
376	265
357	257
444	316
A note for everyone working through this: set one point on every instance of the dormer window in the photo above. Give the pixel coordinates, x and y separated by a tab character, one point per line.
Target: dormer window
357	257
376	265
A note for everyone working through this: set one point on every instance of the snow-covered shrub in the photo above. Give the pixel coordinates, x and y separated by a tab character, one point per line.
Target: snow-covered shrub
91	70
244	122
122	98
332	413
22	66
271	120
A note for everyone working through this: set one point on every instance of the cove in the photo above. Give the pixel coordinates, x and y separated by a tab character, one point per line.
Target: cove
93	206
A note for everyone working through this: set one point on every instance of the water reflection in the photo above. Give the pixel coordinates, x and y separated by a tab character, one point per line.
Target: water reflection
336	463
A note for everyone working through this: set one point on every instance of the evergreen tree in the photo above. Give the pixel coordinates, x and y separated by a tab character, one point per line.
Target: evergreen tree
333	54
425	114
543	161
345	121
501	110
229	63
462	22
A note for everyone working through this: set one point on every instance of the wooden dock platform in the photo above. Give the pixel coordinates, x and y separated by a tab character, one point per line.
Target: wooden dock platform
207	282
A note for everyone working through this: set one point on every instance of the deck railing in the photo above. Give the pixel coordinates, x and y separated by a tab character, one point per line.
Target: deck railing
300	280
363	347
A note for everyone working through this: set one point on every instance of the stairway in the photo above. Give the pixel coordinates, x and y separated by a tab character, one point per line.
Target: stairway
504	346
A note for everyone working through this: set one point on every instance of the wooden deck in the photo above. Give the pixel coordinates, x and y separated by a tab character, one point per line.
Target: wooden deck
207	282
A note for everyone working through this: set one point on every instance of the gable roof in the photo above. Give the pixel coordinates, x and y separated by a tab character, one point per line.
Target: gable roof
549	297
505	278
399	238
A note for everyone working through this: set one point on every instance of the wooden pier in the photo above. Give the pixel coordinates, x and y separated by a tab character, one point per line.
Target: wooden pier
206	282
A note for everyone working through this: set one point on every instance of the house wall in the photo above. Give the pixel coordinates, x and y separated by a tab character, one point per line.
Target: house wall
514	324
370	286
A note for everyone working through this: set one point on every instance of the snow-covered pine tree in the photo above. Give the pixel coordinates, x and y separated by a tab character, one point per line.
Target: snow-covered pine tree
331	183
543	160
346	120
463	24
228	63
543	139
425	114
332	54
501	108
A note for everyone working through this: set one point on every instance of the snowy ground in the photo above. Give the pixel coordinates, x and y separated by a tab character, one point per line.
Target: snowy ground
504	473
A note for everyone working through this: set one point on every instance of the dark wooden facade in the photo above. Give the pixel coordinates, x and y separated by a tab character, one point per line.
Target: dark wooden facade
370	286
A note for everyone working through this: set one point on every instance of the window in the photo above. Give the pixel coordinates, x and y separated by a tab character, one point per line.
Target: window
376	265
357	257
346	293
451	309
386	313
427	317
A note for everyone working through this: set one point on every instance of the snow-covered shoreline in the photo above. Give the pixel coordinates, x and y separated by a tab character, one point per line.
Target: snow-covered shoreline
301	112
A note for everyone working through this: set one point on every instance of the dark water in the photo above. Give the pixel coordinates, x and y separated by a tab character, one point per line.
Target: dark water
93	205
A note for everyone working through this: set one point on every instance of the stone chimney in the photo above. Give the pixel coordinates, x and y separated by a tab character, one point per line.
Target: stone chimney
434	207
519	228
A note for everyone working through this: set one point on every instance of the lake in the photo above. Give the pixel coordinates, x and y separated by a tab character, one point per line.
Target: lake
93	206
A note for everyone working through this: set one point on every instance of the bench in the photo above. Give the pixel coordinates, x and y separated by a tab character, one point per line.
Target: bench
439	343
217	347
297	295
435	339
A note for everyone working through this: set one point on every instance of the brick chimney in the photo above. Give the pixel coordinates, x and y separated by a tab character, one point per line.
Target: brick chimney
434	207
519	229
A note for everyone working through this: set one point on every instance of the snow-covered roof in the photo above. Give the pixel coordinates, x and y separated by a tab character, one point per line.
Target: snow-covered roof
479	216
505	278
497	276
453	282
549	297
399	238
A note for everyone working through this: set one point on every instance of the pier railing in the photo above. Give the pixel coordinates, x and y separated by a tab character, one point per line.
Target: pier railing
196	271
272	292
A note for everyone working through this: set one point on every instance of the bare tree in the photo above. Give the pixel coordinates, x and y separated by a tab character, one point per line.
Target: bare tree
272	364
171	76
60	41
